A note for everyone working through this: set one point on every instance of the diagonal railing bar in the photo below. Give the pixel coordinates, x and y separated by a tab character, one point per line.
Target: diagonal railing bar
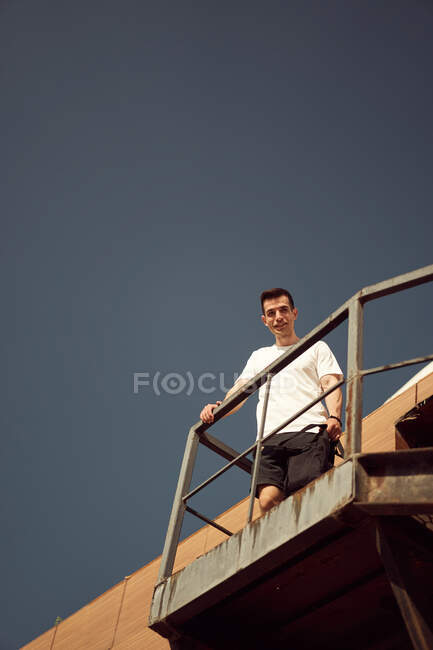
220	448
352	309
221	471
400	364
270	435
211	522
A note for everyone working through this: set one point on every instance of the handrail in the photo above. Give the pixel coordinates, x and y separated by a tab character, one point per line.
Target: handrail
352	310
394	366
247	451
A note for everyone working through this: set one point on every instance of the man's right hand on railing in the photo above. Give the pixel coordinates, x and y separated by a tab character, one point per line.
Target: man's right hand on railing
206	415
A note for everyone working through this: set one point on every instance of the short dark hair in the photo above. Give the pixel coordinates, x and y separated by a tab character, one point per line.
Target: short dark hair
269	294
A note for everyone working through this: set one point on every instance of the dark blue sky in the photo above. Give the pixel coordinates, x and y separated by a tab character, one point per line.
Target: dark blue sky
163	163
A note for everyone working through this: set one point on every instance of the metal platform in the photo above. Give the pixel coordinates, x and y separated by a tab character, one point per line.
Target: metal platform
347	562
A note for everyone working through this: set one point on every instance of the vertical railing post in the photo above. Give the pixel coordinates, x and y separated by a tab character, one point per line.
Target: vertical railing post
259	448
178	509
354	378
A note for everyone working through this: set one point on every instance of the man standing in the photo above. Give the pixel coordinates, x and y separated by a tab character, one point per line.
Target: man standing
299	453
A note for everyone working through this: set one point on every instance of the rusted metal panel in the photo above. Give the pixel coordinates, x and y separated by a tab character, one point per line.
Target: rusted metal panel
399	482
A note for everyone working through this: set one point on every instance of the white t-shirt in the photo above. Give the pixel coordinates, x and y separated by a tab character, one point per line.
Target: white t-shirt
294	386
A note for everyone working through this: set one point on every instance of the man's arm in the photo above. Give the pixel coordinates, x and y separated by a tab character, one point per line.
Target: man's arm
206	415
334	404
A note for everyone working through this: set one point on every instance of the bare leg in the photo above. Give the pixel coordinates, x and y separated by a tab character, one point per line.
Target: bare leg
269	496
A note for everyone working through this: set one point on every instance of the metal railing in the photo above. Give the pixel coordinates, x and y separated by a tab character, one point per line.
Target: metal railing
352	310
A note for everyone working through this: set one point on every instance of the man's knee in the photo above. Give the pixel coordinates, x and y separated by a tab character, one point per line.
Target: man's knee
269	496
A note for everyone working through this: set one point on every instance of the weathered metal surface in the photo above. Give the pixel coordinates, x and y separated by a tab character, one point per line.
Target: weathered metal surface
354	378
413	601
399	482
296	523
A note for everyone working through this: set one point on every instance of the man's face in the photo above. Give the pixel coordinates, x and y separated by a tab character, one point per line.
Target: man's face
278	316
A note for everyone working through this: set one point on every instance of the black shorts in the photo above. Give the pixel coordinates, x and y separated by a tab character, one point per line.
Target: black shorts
291	460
